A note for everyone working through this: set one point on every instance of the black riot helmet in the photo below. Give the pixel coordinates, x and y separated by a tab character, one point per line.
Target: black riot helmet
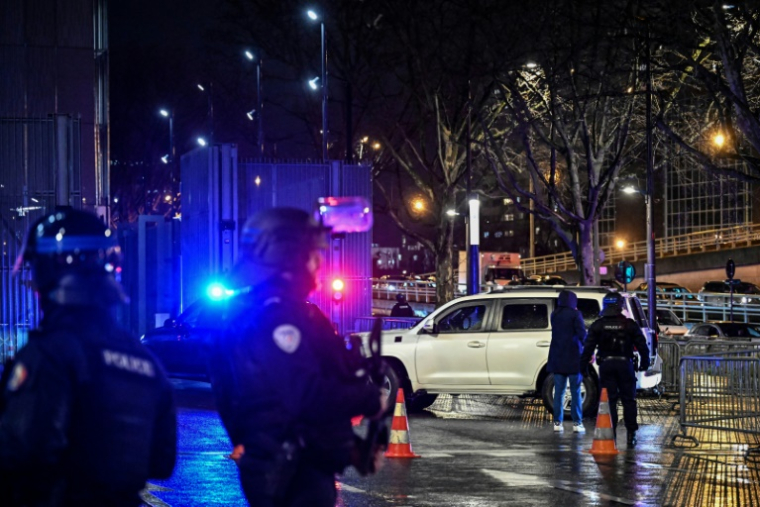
612	304
280	242
401	298
74	259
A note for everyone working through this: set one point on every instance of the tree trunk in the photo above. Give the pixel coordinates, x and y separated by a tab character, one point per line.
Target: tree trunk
586	262
445	273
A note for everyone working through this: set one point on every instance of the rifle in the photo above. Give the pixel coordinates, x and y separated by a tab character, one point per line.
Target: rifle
378	430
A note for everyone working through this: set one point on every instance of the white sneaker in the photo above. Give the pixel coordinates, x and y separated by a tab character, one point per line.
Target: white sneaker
558	427
579	428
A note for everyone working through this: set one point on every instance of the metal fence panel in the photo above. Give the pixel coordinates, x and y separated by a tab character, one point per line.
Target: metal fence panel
27	191
720	392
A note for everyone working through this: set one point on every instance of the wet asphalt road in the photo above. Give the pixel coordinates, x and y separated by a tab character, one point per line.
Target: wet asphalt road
490	451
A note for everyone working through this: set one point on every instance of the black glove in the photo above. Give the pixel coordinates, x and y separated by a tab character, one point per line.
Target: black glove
643	365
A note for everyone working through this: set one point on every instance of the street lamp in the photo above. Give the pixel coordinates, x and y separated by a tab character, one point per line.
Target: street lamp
259	100
171	157
323	81
202	141
210	109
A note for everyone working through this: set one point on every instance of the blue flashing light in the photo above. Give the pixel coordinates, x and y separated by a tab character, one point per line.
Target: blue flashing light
217	292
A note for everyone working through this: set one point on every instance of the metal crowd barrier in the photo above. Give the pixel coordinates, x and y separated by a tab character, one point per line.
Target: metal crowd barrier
720	392
671	351
364	324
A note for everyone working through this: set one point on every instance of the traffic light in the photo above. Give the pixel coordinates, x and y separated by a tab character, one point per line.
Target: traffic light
625	272
337	290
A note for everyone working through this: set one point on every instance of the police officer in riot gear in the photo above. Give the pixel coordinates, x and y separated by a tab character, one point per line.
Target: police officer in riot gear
615	337
402	308
88	413
284	388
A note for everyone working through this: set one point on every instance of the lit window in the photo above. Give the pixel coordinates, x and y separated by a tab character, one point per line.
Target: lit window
486	234
508	201
498	234
509	217
510	233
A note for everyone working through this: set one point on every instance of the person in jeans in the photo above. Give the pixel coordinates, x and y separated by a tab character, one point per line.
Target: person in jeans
568	335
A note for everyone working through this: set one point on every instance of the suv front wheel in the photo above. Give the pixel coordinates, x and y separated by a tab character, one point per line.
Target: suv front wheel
589	396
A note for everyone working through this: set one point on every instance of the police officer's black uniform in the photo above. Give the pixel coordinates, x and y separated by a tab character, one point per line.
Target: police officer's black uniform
284	389
402	308
88	413
615	336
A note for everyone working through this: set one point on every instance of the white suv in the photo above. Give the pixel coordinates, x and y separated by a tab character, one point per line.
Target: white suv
495	343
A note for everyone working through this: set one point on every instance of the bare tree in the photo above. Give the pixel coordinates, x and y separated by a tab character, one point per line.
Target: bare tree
709	58
442	74
564	133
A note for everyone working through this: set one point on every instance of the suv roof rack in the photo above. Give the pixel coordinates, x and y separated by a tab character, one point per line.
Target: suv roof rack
548	288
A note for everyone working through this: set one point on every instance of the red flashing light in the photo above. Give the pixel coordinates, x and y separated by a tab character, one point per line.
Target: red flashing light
337	290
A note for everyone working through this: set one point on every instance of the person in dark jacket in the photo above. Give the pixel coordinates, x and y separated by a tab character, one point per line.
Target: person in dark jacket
616	337
568	335
284	385
88	414
402	308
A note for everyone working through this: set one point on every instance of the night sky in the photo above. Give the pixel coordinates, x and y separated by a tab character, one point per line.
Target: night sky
167	36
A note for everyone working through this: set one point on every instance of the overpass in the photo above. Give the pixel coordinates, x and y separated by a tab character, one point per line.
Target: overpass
688	260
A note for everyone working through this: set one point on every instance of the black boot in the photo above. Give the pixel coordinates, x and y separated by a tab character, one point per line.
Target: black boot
631	439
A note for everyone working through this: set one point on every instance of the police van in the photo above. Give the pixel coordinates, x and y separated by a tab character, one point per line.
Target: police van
497	343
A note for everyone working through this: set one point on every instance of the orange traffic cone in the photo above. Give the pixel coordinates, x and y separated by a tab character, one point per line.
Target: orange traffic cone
604	436
399	445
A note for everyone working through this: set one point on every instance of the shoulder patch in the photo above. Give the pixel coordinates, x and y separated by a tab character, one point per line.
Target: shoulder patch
18	377
287	337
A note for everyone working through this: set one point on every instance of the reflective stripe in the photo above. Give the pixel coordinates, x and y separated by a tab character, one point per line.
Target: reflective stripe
399	410
604	434
399	437
604	409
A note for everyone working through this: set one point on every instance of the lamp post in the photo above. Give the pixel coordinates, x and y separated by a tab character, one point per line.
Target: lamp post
649	268
259	100
323	81
210	101
170	115
172	150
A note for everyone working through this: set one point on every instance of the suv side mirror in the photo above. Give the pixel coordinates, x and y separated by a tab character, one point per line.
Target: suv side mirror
170	323
429	326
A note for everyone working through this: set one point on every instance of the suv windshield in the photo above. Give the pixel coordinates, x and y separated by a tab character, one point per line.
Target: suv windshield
746	288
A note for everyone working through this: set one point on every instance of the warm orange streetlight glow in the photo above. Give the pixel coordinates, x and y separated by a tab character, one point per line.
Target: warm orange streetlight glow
719	140
620	243
418	204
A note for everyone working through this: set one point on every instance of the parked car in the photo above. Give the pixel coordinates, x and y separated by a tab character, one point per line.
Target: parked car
667	291
715	292
722	330
670	325
181	344
494	343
